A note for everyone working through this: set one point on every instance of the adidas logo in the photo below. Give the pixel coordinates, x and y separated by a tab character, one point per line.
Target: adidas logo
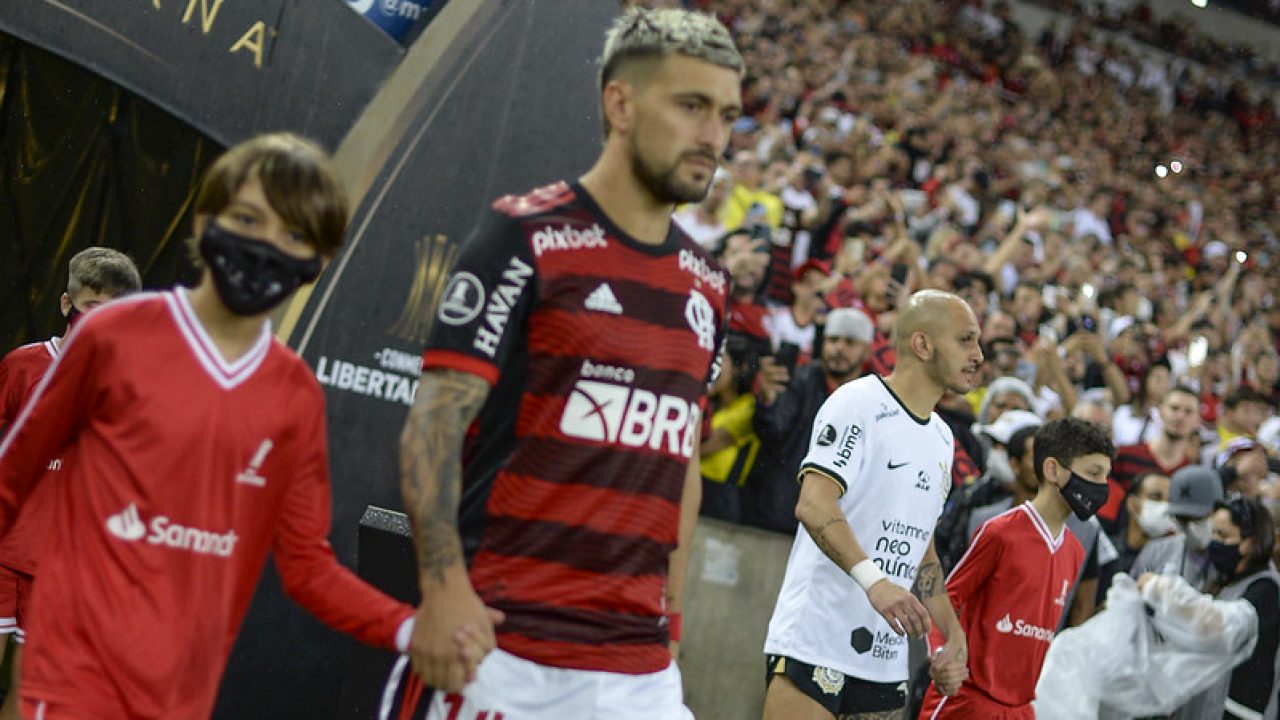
602	300
126	524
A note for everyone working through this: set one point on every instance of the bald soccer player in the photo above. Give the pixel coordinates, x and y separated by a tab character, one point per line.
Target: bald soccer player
872	487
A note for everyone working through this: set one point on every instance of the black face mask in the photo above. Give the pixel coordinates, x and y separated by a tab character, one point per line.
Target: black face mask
1083	496
1224	558
252	276
73	317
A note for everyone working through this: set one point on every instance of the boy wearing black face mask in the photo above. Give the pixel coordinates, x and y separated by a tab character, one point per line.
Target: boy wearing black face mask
195	444
1013	584
95	276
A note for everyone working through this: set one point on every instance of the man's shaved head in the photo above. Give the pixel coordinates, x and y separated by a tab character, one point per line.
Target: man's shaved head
930	312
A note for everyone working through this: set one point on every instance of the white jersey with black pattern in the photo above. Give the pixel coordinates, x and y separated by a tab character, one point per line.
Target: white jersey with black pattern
895	472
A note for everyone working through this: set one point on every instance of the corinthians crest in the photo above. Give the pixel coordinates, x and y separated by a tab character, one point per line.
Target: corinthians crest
829	681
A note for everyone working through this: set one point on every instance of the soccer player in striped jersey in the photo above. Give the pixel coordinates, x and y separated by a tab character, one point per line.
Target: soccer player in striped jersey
193	444
95	276
549	463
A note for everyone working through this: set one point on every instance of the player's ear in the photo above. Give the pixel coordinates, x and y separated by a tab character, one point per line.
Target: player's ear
618	103
65	303
921	345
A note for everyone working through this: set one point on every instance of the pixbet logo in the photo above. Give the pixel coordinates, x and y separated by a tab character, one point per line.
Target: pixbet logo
568	238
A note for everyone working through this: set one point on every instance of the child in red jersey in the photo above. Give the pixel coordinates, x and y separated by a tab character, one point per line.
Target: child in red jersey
95	276
1013	584
194	444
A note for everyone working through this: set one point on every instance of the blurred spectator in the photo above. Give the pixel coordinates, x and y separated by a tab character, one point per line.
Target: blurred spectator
702	220
1243	411
1139	421
1147	504
1193	491
729	451
746	257
1241	549
1243	467
784	417
749	203
798	322
1164	454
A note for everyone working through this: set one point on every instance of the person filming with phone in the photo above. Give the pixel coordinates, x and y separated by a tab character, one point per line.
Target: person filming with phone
785	408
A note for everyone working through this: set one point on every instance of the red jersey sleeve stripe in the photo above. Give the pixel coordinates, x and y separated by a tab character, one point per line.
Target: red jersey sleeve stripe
450	360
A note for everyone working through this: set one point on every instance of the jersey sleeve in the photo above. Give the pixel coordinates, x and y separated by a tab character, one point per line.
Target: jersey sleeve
977	565
837	445
11	392
60	405
485	301
309	571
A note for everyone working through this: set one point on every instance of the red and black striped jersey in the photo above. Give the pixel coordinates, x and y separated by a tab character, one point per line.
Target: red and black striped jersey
599	349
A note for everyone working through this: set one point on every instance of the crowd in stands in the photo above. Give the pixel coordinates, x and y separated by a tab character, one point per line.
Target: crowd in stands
1110	217
1179	35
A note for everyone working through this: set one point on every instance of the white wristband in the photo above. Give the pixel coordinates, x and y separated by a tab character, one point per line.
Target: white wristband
866	574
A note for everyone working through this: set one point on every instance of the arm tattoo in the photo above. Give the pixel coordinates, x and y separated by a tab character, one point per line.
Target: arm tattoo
431	464
819	534
929	580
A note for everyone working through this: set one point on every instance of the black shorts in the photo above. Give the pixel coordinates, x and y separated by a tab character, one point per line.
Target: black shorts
840	694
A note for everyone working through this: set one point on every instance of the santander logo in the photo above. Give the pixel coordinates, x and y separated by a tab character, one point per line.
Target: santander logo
1022	628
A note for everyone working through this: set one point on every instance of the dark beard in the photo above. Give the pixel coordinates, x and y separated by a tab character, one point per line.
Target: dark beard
663	185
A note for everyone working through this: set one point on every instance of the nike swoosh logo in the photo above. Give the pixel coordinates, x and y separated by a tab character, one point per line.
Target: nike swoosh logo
895	467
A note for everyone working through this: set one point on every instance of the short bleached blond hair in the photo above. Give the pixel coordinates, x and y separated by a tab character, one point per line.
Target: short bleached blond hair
640	35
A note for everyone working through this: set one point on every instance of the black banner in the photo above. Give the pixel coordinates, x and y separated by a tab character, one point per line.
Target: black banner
513	107
230	68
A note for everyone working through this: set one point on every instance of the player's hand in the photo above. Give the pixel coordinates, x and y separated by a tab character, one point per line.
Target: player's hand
947	670
904	613
453	632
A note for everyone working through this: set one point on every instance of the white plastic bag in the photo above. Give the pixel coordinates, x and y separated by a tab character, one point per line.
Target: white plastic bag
1124	663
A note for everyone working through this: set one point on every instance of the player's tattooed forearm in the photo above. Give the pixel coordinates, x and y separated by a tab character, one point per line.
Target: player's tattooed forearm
431	464
929	580
886	715
818	532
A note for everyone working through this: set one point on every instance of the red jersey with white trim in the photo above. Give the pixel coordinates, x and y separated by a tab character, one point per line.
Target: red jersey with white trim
600	349
1010	589
20	372
182	471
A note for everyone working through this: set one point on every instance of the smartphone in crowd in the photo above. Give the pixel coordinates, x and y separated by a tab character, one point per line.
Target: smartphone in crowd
787	356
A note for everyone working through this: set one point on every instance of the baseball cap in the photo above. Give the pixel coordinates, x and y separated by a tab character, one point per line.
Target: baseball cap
1193	490
806	266
1234	447
1010	422
849	323
1117	326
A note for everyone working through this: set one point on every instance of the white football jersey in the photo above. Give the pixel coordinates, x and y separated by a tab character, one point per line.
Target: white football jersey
895	471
